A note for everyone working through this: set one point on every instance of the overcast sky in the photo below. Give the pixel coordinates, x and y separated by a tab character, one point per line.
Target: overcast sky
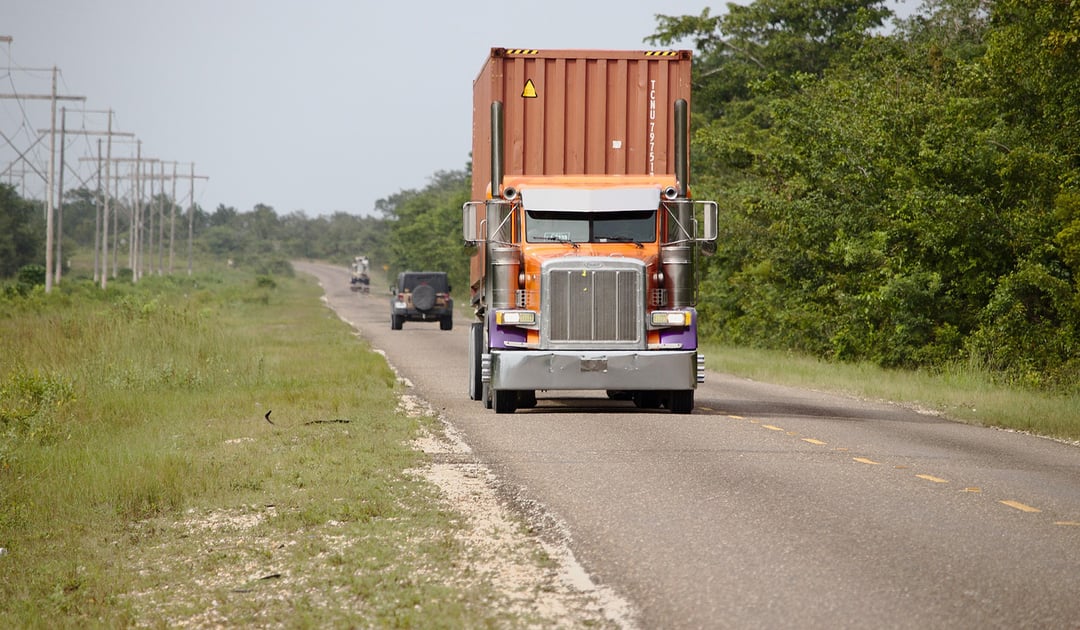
317	106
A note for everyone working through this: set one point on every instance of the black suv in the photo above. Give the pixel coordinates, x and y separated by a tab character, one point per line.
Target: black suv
422	296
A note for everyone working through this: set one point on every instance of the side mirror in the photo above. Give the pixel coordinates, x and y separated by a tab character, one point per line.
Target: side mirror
709	222
470	222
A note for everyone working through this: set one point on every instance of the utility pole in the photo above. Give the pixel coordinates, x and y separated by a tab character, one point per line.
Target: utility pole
101	237
191	215
137	177
60	203
172	219
49	188
98	202
161	221
135	246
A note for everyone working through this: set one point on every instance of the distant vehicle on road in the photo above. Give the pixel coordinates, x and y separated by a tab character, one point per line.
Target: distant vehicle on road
422	296
359	279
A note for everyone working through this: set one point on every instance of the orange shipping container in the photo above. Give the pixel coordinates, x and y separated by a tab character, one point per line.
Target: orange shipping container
579	112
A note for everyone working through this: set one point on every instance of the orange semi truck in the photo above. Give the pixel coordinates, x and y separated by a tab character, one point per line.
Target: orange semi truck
587	238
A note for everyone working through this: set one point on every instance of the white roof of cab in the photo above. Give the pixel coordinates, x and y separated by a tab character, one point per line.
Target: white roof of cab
591	199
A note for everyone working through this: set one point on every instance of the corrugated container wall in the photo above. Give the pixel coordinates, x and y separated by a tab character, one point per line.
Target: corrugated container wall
579	112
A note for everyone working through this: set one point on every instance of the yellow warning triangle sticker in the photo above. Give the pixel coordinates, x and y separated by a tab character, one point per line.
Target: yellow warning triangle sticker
529	91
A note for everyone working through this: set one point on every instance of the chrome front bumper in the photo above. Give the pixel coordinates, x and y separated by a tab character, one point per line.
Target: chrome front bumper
593	369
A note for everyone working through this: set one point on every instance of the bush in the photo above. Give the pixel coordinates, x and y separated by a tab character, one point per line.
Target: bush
30	276
1029	330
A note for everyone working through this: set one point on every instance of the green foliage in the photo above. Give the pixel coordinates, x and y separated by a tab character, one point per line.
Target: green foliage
30	276
884	198
425	232
22	232
1029	329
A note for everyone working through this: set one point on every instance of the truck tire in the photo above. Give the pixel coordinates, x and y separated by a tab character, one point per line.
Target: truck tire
505	400
423	297
476	350
396	321
526	399
446	323
647	399
681	401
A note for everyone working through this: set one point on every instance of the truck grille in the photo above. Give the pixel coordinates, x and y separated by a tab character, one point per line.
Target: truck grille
593	303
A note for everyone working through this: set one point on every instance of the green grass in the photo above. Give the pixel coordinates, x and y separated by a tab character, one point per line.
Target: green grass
961	393
141	483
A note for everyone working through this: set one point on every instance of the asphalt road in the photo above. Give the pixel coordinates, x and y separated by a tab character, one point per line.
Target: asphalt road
772	507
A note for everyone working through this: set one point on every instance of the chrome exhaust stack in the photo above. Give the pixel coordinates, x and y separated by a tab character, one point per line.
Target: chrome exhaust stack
503	258
677	253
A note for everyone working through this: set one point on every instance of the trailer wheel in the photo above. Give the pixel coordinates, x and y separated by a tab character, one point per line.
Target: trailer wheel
505	400
681	401
476	349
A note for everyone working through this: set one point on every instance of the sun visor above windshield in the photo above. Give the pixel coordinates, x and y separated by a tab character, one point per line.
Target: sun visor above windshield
591	199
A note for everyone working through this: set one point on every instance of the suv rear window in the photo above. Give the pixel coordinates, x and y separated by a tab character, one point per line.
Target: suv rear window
410	281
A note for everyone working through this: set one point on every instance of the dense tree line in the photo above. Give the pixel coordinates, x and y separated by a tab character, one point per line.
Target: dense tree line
908	198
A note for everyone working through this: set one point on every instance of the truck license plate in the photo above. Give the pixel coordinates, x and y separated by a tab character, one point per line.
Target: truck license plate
594	365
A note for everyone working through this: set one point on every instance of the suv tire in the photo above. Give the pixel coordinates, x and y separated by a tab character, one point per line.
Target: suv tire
423	297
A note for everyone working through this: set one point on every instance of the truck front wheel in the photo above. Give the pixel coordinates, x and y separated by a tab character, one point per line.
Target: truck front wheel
681	401
505	400
476	350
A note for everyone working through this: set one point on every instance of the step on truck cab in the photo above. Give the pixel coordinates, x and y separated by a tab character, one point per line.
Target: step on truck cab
587	239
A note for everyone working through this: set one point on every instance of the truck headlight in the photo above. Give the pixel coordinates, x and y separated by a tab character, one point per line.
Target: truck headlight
665	319
515	318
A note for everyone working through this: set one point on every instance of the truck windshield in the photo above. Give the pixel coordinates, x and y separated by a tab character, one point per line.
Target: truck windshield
546	226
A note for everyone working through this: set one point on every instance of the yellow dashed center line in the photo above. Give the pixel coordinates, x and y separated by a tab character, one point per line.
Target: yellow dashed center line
933	478
930	478
1020	506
